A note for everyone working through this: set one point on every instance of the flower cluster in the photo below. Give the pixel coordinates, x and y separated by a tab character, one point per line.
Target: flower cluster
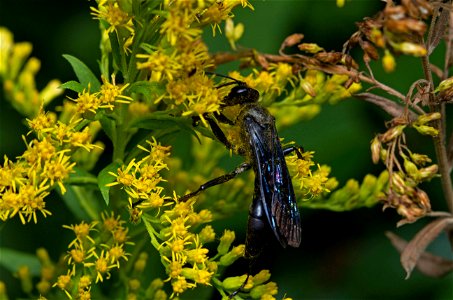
109	94
141	179
396	29
46	162
406	170
97	249
17	72
178	60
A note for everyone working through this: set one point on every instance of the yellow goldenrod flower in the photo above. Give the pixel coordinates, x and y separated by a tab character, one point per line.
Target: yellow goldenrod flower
111	93
82	232
160	65
177	27
115	253
87	102
113	15
64	283
58	169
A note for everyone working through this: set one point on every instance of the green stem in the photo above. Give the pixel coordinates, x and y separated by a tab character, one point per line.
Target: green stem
439	140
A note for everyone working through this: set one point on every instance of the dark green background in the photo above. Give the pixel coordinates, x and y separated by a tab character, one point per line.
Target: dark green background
343	255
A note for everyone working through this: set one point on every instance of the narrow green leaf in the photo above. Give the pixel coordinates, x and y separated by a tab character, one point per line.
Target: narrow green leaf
116	48
105	178
85	76
109	127
12	260
158	121
73	86
73	203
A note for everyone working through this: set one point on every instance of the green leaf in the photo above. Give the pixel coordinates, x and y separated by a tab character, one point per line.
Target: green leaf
74	200
158	121
146	88
116	48
73	86
109	127
12	260
105	178
83	73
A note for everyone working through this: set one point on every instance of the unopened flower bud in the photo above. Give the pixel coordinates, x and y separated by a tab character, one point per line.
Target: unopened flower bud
43	287
261	277
398	184
153	287
292	40
310	47
420	159
267	289
377	37
392	133
423	200
370	50
207	234
25	279
376	147
43	256
426	130
307	87
232	256
411	49
428	172
233	33
444	85
423	119
233	283
411	169
388	62
134	284
225	242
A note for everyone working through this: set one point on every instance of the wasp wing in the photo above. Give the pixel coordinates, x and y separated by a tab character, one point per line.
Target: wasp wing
274	182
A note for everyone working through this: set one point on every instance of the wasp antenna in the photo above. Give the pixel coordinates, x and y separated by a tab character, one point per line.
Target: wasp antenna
225	76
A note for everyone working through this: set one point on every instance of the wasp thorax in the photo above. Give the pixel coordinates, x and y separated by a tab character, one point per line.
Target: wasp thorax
241	94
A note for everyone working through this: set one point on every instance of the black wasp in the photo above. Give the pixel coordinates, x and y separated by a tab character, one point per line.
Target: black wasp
274	204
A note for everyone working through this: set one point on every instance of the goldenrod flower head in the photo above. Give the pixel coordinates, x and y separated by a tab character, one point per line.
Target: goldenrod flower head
58	169
207	234
64	283
225	242
180	285
115	253
111	93
82	232
160	64
43	122
87	102
114	15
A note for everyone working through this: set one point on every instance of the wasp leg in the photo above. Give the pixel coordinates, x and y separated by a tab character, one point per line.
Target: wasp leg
231	296
219	180
299	151
219	133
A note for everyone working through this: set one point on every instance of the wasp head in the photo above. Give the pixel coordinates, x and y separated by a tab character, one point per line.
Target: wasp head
241	94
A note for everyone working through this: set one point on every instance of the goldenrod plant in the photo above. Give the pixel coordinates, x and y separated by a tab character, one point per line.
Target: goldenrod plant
106	152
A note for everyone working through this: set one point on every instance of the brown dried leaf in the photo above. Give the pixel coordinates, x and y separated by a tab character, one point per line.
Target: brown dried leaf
433	265
290	41
438	26
412	252
396	241
392	108
436	70
429	264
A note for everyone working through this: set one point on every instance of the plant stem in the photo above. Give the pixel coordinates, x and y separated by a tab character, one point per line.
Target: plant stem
439	140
